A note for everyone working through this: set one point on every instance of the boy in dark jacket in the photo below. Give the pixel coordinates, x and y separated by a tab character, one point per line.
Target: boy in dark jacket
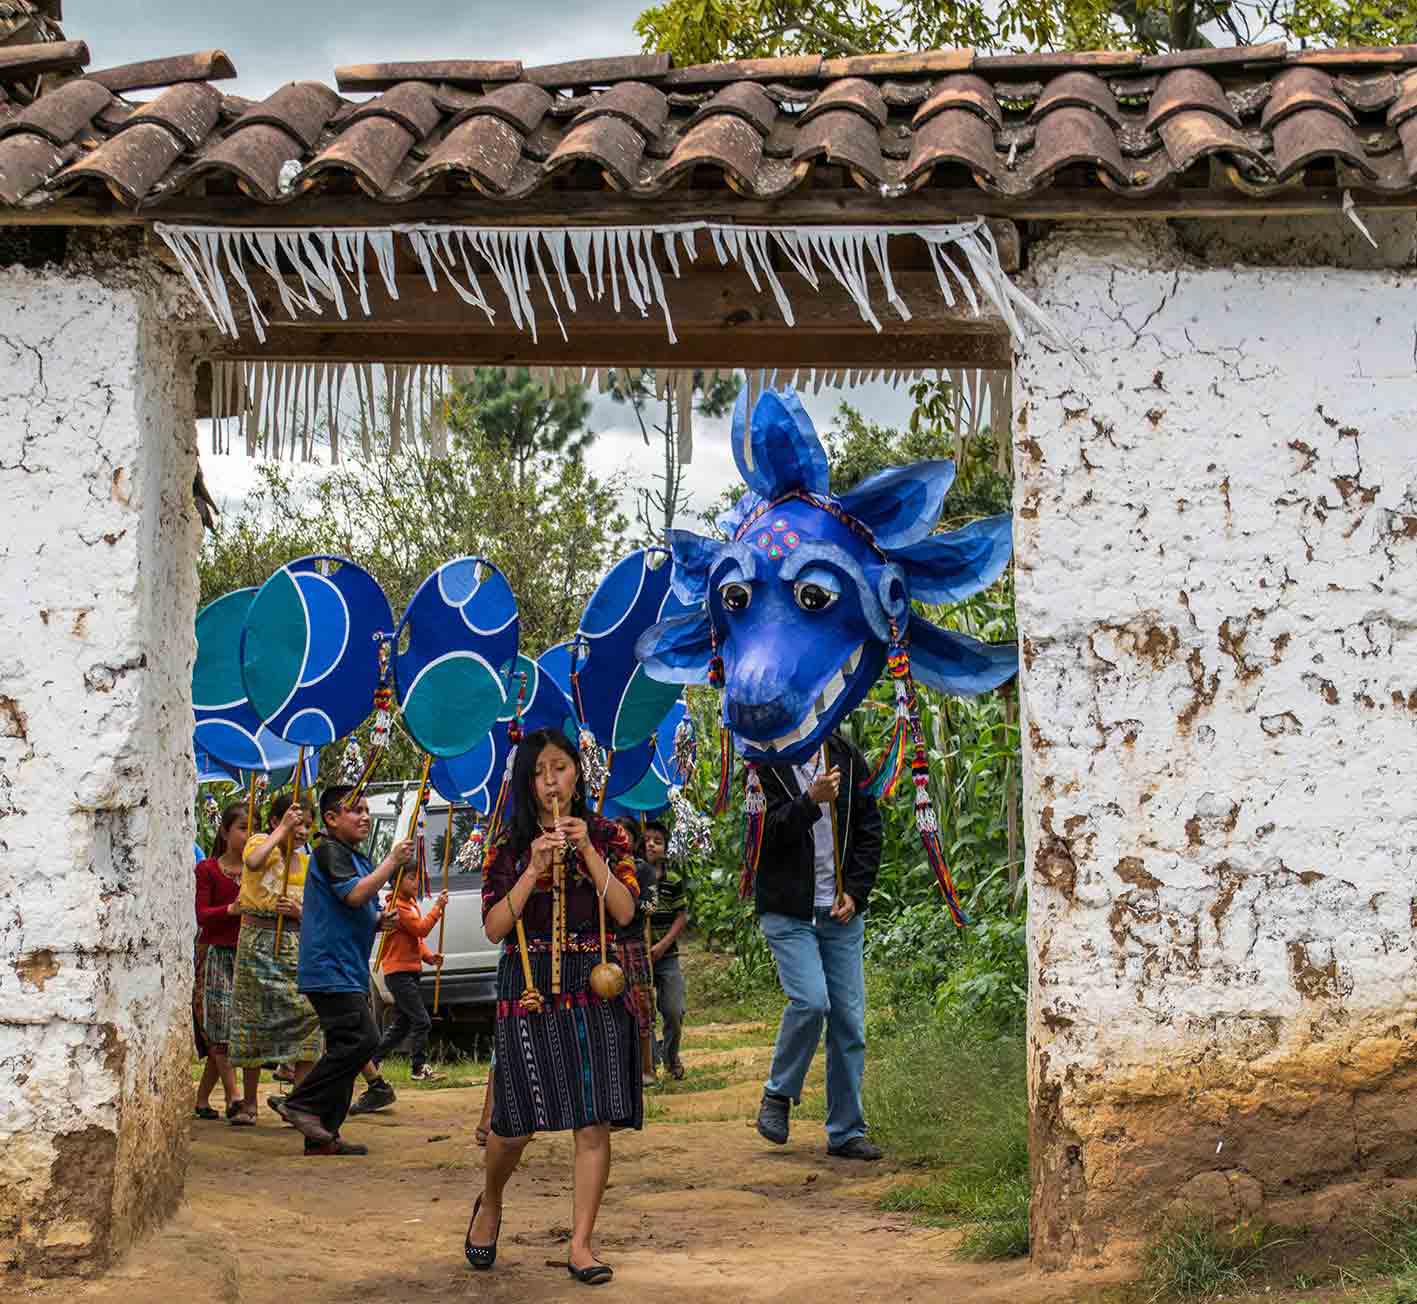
811	896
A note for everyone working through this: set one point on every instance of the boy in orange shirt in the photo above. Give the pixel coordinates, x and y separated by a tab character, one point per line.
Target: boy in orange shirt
405	954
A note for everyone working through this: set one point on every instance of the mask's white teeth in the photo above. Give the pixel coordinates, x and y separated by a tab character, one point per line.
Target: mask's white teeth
802	731
853	661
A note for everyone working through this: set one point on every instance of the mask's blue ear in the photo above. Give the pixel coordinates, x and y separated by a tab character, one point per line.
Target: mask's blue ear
677	650
954	566
737	514
955	663
693	556
779	450
901	504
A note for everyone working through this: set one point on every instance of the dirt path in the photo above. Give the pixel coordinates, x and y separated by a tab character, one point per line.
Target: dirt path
700	1208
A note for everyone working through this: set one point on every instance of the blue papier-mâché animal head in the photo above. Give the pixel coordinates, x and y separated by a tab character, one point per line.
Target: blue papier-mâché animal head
800	602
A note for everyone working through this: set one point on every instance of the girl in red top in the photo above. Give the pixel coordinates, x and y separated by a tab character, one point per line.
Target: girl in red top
218	928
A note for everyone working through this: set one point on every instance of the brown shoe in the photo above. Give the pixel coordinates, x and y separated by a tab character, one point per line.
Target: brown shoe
336	1147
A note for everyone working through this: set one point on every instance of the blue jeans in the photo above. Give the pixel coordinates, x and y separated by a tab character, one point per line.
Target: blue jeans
821	967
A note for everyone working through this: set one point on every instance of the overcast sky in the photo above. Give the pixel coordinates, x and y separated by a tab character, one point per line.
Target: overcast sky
276	41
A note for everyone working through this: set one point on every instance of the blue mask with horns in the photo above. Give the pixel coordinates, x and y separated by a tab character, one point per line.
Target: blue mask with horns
797	611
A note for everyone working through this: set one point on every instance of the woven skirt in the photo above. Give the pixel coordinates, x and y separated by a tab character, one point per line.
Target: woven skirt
271	1022
574	1063
633	955
218	981
199	978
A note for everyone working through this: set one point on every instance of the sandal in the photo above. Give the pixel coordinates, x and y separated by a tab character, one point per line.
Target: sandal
481	1134
205	1111
233	1108
597	1274
481	1257
245	1118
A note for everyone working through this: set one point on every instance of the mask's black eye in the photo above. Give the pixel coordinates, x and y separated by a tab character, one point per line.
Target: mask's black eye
736	597
813	597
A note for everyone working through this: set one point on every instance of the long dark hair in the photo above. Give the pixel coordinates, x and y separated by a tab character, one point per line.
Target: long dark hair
523	824
228	818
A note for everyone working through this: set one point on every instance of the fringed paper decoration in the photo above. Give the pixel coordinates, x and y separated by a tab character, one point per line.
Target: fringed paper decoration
686	750
755	809
692	836
469	855
352	764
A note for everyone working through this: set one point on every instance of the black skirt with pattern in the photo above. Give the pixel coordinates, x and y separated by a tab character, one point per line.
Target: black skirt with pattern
574	1063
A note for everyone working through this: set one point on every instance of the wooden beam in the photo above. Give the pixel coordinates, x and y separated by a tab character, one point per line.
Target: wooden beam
600	208
723	348
710	300
21	62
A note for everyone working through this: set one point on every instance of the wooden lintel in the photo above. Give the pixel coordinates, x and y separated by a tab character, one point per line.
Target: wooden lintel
724	348
596	208
703	301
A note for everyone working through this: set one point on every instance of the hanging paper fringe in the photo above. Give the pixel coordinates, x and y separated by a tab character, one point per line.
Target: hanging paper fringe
755	809
333	265
469	855
685	751
692	836
352	765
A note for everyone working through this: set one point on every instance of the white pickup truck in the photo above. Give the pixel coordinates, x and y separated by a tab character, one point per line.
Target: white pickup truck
469	989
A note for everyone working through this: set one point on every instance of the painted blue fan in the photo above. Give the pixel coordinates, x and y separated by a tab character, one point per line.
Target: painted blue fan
630	765
649	795
475	777
555	662
228	728
310	648
210	770
283	774
620	704
458	643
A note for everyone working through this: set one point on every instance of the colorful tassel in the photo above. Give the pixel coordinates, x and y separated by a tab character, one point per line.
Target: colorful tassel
723	797
692	838
755	809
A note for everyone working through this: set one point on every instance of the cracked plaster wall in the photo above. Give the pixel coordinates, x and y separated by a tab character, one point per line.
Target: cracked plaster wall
1215	535
98	543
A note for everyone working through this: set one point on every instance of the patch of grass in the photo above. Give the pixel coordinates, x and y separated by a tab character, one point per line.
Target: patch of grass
717	992
705	1079
764	1036
957	1106
1196	1260
456	1073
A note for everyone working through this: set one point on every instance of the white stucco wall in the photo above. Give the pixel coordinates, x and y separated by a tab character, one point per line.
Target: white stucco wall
1216	537
98	542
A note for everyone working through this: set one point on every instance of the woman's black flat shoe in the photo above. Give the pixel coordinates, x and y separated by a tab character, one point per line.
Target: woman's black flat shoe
595	1275
205	1111
480	1257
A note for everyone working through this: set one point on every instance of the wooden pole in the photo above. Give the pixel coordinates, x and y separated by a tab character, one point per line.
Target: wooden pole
412	826
288	851
836	841
1011	795
443	918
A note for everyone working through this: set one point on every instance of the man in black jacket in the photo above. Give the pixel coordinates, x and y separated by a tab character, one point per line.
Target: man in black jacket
811	896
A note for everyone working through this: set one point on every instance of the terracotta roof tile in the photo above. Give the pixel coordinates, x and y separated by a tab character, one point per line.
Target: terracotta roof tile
1083	90
725	141
521	106
254	155
189	111
853	94
1193	134
370	150
410	104
745	100
610	142
961	91
1305	136
1303	88
1014	126
483	148
300	109
643	107
841	136
27	161
1185	89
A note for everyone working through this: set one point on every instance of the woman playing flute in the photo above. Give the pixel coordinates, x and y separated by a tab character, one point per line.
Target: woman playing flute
567	1058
